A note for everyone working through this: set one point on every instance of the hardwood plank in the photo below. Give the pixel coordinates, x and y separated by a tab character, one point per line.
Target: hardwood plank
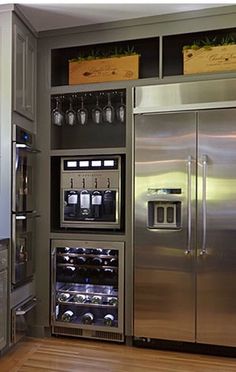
69	355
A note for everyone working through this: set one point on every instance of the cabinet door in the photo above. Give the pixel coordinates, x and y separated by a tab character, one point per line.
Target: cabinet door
3	309
19	62
30	77
24	61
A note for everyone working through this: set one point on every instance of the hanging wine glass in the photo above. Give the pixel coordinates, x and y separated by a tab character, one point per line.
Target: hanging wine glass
97	113
70	115
108	111
57	116
121	110
82	113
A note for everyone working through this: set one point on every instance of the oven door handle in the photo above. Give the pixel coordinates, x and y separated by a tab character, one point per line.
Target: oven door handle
27	215
23	146
24	311
14	177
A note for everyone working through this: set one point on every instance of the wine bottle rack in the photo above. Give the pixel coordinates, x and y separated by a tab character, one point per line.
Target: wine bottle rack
87	291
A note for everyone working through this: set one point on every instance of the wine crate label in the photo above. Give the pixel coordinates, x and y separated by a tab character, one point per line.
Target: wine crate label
214	59
106	69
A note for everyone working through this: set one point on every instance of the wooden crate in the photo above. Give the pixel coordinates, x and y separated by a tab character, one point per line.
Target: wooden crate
107	69
217	58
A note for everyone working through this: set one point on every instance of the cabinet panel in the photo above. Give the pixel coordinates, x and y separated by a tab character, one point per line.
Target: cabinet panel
3	309
24	60
19	69
30	77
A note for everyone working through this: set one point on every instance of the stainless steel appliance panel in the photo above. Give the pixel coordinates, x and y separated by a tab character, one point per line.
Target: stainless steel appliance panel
185	96
21	319
164	296
23	164
23	229
216	284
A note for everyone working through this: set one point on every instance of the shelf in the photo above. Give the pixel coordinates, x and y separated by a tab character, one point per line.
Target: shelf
86	304
173	46
87	266
97	323
148	48
84	152
108	132
101	290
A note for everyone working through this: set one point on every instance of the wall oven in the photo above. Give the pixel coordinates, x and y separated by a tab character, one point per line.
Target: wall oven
91	192
23	206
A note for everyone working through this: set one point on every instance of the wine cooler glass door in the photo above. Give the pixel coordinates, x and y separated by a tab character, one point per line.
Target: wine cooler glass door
87	285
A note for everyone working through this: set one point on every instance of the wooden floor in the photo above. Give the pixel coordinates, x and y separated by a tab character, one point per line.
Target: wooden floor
65	355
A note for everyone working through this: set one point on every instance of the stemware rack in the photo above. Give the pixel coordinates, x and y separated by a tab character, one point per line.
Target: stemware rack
102	107
83	120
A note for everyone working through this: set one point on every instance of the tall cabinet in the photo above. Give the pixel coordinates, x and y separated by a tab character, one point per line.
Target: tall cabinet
24	70
17	106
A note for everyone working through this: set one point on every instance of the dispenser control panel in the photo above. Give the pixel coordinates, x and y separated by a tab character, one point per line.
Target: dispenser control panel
91	192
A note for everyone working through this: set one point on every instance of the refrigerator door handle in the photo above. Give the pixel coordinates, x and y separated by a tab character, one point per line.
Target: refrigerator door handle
203	250
189	205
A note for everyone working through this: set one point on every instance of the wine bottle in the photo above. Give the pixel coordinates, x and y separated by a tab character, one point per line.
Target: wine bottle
112	252
63	259
108	320
96	203
62	297
108	203
80	260
72	201
72	260
96	251
79	250
88	318
63	250
113	262
68	316
96	261
96	300
84	203
112	301
80	298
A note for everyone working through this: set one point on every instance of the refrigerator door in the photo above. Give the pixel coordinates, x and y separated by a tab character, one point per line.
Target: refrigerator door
165	180
216	284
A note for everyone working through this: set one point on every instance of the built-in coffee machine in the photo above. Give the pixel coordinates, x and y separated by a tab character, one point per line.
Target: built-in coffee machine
91	192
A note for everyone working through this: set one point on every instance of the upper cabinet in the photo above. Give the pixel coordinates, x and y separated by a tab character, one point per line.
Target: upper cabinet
24	71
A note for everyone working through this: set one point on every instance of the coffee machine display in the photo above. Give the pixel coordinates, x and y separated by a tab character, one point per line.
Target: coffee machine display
91	192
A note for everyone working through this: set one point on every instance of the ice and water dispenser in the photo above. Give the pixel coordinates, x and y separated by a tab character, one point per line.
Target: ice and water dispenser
91	192
164	209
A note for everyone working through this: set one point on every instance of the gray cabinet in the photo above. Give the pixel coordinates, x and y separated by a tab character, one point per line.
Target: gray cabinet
3	295
24	71
3	309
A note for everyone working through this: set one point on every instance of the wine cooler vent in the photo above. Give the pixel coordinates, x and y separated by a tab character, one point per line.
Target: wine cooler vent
112	336
109	336
67	331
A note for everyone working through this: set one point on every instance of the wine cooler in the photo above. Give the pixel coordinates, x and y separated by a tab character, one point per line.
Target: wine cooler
88	289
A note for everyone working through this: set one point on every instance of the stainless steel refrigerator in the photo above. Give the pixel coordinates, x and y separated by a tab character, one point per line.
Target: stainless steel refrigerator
185	213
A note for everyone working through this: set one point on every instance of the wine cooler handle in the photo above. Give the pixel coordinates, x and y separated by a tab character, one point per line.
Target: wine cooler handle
53	283
189	205
204	205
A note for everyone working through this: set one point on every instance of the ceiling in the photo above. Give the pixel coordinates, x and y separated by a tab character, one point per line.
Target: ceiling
51	16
